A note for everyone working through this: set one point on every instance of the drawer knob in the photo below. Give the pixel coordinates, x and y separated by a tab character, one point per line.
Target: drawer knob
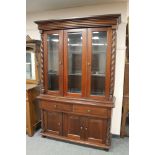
60	63
59	123
81	127
86	128
55	106
88	110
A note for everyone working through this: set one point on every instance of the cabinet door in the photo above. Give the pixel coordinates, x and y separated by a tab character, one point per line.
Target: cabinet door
53	62
75	62
74	127
99	55
95	130
53	122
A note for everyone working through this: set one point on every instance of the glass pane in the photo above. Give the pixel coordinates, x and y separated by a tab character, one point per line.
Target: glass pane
53	62
30	64
74	61
98	66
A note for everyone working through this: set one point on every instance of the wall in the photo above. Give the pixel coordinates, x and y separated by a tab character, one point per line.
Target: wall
109	8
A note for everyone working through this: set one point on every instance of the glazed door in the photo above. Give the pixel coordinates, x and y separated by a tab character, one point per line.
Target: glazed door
53	62
98	70
75	62
74	127
95	130
53	122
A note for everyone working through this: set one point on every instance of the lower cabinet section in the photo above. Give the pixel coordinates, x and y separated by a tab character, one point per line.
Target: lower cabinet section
75	127
85	128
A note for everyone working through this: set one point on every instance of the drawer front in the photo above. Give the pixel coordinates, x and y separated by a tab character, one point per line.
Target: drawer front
91	110
56	106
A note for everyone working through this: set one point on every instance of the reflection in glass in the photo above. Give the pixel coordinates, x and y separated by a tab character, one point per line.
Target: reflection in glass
74	61
53	60
30	64
98	66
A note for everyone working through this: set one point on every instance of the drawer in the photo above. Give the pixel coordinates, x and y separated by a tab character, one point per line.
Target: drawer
91	110
56	106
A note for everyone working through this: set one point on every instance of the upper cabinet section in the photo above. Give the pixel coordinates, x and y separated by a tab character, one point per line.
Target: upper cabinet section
32	61
78	56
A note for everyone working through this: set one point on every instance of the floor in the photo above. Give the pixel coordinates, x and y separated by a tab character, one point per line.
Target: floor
37	145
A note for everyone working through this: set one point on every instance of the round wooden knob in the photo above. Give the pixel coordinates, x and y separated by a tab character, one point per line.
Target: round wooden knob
60	63
88	110
55	106
81	127
86	128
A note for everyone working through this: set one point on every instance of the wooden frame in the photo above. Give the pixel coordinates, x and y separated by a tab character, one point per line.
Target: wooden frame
60	33
88	109
108	55
34	45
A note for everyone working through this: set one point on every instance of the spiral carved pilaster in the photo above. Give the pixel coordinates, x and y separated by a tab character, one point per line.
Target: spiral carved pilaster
108	139
113	55
42	91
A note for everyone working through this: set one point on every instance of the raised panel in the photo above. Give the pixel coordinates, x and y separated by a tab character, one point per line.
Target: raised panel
74	127
96	130
53	122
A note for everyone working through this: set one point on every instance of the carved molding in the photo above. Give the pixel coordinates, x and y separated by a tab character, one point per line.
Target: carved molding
113	57
95	21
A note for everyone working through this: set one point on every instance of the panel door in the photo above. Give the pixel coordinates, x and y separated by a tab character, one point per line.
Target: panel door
74	127
99	55
95	130
53	122
53	62
75	62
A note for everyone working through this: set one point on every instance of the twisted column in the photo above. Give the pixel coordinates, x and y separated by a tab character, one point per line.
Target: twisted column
42	91
108	139
113	55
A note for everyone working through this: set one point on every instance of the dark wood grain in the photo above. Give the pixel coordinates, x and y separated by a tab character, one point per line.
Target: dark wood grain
81	118
33	120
